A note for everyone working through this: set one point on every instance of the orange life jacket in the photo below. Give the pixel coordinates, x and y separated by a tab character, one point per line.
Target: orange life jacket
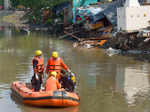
40	66
55	65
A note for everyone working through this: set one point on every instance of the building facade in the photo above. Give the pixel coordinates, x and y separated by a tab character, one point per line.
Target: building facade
133	16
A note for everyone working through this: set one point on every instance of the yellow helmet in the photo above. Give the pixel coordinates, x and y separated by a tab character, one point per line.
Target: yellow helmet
38	52
73	79
54	73
55	54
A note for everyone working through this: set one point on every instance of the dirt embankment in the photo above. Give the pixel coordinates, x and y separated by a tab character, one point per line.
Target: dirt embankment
127	42
15	18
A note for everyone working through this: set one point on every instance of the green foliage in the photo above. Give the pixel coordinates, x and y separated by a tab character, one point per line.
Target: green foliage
15	3
1	2
36	6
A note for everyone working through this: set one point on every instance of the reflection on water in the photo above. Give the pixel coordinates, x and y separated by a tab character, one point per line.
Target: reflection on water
133	81
136	82
107	84
7	32
35	109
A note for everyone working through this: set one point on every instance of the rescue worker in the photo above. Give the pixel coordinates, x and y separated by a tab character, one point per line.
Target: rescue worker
55	63
52	83
69	82
38	67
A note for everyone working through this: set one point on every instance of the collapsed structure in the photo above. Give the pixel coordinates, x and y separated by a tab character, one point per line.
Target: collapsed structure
133	32
94	23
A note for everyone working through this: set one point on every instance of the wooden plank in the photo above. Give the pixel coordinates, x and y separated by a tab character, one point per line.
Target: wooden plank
71	34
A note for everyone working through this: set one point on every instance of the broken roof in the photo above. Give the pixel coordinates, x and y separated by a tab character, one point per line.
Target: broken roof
110	11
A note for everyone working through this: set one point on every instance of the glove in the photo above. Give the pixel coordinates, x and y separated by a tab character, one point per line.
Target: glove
69	70
72	74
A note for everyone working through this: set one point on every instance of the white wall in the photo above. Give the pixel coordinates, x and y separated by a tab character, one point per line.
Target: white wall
132	3
121	19
133	18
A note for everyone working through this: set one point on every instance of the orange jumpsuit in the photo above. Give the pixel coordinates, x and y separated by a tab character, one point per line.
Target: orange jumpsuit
55	65
52	84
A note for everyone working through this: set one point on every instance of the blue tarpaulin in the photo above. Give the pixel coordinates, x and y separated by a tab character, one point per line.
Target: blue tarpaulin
79	3
94	13
111	12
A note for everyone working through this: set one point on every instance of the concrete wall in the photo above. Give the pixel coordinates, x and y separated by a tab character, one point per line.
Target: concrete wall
121	19
133	18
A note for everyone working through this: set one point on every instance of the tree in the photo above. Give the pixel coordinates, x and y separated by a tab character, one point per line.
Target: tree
35	6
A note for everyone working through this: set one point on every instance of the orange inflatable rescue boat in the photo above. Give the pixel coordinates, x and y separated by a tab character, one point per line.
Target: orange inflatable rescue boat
59	98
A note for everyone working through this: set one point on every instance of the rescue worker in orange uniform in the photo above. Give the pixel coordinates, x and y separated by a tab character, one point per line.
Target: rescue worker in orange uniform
52	83
38	67
55	63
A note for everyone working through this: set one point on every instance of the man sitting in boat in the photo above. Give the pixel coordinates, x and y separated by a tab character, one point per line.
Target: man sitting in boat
55	63
38	67
68	81
52	83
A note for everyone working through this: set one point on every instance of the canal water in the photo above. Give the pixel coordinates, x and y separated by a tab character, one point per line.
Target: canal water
106	83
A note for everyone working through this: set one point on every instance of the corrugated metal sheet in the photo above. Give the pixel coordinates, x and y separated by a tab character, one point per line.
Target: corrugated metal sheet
110	11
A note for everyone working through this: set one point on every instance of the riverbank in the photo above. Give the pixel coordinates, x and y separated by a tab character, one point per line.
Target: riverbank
15	18
120	41
125	42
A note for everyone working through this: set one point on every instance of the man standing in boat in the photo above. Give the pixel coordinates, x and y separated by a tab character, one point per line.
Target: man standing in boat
55	63
38	67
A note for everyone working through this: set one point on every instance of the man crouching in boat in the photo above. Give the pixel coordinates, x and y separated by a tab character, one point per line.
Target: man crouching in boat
52	83
68	81
38	67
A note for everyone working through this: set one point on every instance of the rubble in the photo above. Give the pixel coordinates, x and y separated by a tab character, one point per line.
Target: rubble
94	25
102	32
92	38
133	41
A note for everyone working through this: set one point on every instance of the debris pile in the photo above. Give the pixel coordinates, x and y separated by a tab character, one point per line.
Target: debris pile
92	38
94	24
127	41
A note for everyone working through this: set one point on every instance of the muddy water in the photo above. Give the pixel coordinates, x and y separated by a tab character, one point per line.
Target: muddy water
106	83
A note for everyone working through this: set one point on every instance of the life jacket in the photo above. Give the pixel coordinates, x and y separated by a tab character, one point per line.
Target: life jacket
52	84
54	65
40	66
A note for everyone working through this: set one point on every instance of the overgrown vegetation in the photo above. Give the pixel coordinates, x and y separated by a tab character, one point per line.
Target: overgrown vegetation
1	2
35	8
